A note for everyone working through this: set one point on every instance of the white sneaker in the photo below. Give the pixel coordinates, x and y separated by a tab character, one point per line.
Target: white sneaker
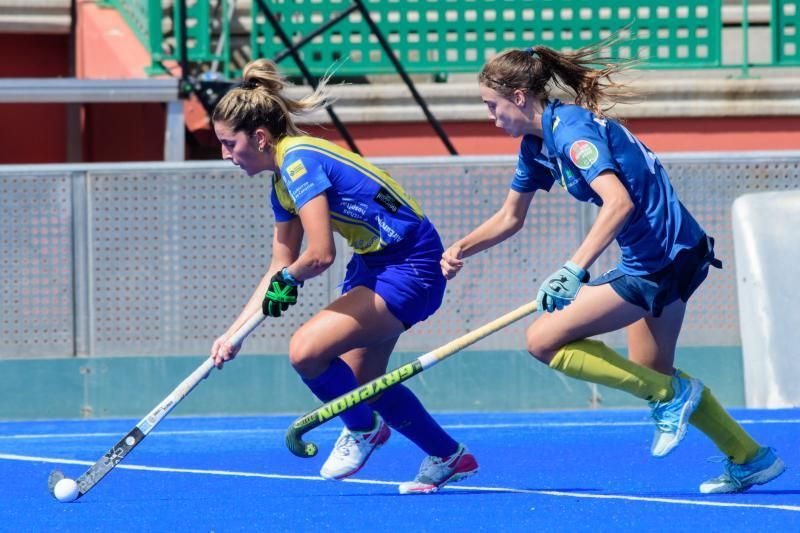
353	448
436	472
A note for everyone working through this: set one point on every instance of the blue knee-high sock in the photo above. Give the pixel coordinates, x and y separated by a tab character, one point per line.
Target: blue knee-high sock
334	382
401	409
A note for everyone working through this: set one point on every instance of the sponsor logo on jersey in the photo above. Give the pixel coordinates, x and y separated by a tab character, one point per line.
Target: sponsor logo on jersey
583	154
295	170
385	199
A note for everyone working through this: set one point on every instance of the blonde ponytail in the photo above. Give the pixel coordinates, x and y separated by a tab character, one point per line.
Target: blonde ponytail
259	102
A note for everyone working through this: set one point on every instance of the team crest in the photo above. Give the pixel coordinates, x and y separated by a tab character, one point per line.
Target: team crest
583	154
295	170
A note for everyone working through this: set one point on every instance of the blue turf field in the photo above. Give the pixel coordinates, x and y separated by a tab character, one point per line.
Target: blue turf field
555	471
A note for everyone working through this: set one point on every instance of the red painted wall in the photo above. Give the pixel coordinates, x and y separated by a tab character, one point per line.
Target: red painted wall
33	133
661	135
36	133
123	132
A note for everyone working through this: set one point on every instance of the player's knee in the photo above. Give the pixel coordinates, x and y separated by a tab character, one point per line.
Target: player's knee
540	350
305	355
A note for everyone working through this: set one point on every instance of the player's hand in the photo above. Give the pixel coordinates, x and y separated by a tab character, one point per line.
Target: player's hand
451	262
280	295
222	351
560	288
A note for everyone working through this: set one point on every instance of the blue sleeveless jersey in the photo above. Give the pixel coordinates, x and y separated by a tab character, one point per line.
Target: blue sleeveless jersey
578	146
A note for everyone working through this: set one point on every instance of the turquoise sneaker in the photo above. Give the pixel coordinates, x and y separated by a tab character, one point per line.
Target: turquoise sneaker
762	468
672	417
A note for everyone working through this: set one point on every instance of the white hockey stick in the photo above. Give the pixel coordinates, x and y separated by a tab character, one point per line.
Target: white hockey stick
105	464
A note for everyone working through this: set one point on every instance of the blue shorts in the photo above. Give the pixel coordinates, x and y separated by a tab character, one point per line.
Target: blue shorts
408	278
679	279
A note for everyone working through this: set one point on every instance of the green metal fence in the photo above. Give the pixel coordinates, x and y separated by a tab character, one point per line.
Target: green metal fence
449	36
207	30
430	36
786	39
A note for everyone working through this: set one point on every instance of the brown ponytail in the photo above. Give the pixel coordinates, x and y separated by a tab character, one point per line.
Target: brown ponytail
583	73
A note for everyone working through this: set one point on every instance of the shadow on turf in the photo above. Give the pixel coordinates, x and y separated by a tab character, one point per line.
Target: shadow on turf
455	491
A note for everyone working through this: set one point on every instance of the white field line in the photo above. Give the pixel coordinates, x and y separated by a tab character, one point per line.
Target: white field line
559	494
337	429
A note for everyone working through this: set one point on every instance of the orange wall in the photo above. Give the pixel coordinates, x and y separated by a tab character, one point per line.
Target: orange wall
33	133
661	135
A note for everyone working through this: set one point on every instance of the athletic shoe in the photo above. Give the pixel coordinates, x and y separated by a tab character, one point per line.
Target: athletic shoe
353	448
672	417
435	472
762	468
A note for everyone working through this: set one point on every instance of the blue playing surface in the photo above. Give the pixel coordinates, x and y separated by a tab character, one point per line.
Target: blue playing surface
554	471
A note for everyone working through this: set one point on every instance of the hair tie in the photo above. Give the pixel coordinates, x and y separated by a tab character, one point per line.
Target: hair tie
248	84
531	52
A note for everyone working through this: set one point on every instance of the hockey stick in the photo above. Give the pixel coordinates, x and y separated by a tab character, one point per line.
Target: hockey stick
337	406
112	458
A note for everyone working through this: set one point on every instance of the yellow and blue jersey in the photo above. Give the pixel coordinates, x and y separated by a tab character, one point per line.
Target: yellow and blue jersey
576	147
367	207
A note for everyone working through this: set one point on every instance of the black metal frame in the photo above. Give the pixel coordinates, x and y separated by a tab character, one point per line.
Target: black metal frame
310	79
402	72
187	85
291	50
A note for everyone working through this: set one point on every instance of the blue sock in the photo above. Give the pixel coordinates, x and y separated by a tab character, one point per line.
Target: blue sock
401	409
334	382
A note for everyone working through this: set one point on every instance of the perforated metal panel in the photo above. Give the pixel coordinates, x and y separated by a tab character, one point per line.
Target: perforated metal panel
36	262
176	255
174	251
707	186
458	197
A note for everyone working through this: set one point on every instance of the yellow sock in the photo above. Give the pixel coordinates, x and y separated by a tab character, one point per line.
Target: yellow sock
729	436
593	361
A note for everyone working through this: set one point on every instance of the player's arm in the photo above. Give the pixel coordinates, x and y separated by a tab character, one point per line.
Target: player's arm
287	238
320	250
507	221
288	265
617	207
561	288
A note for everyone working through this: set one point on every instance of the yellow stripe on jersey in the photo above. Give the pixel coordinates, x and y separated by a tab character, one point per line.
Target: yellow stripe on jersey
362	237
290	144
282	193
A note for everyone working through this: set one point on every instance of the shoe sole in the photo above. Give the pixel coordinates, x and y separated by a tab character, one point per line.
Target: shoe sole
689	408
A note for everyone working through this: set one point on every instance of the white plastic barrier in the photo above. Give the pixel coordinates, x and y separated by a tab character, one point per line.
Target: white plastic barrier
766	232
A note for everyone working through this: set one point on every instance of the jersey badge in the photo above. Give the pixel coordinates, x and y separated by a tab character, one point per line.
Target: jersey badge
385	199
295	170
583	154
